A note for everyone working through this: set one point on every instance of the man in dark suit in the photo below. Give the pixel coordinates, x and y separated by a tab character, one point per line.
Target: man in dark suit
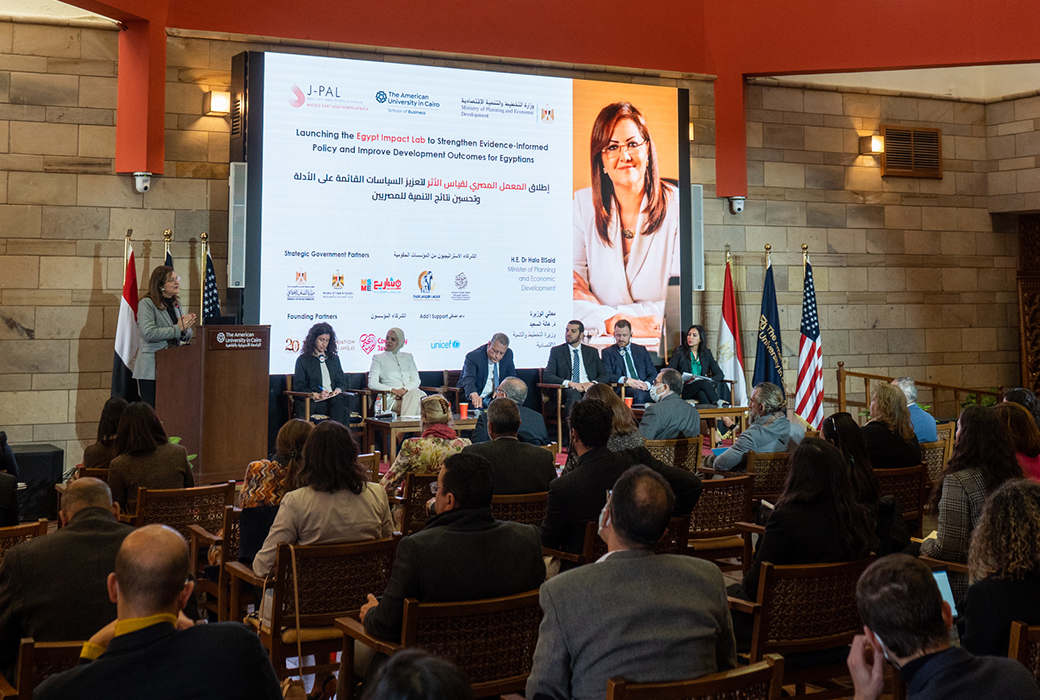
630	363
634	614
532	424
52	588
485	368
463	553
576	498
577	367
907	622
669	417
148	652
515	467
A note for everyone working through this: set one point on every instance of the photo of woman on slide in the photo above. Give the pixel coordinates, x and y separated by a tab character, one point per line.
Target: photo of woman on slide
626	228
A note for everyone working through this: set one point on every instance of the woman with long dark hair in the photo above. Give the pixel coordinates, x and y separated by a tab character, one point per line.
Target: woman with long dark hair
1025	436
694	357
319	373
1026	399
161	324
101	453
146	458
983	459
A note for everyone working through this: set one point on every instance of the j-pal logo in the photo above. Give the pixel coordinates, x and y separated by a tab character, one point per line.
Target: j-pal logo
385	285
297	98
426	284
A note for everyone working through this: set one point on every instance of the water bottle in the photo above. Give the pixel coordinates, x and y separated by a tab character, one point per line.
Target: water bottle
379	404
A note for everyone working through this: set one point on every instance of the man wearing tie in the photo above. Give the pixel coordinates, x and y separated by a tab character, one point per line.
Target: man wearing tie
577	367
629	363
485	368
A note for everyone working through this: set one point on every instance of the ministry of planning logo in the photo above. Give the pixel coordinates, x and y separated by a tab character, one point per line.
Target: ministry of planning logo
380	97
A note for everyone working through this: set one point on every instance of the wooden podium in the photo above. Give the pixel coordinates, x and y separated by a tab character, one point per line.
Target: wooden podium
213	394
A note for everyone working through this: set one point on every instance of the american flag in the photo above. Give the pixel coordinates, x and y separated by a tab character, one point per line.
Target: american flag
809	398
210	297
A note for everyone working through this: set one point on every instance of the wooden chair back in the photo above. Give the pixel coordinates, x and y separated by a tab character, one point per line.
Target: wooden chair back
684	453
491	641
292	396
553	447
16	534
1024	647
812	433
770	471
947	432
907	486
676	537
413	500
759	681
371	462
180	508
215	596
723	503
933	456
101	474
552	404
37	661
527	508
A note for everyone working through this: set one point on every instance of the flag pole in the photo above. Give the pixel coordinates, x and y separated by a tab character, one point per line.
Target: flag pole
727	254
805	256
126	249
768	248
204	248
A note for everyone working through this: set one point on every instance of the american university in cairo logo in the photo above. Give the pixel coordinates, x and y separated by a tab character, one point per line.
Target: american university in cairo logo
380	97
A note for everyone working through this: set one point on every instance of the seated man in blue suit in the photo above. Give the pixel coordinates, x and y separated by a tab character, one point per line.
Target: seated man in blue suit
484	369
630	363
924	424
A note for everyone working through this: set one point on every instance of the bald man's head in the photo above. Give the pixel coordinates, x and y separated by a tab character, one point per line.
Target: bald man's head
151	569
84	493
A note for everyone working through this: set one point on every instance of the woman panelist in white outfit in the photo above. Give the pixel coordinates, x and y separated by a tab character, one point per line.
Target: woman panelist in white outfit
394	373
626	228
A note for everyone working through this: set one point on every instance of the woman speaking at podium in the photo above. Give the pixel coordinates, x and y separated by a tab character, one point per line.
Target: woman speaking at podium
161	324
318	371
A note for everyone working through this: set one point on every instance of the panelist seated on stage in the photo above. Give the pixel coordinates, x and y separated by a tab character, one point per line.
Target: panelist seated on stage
532	424
394	373
669	417
319	373
629	363
515	467
485	368
694	357
577	367
769	431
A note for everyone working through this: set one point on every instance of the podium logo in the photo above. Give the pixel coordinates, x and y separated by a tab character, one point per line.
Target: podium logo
426	283
220	337
297	98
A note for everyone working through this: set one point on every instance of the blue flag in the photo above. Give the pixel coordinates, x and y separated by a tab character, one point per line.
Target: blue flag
769	366
169	260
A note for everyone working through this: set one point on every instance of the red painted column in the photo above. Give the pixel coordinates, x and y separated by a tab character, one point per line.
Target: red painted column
730	137
141	102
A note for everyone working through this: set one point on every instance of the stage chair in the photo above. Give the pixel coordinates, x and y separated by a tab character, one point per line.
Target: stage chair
293	396
415	494
182	508
371	462
215	594
933	456
527	508
1025	647
552	405
807	608
36	663
907	486
449	388
684	453
334	581
491	641
760	681
713	524
16	534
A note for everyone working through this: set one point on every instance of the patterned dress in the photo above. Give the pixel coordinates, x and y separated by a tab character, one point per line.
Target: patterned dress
424	455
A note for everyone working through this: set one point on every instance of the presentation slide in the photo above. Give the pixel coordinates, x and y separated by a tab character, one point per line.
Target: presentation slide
454	204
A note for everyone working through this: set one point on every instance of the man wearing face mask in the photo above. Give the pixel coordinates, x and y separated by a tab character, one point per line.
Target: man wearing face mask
669	417
769	430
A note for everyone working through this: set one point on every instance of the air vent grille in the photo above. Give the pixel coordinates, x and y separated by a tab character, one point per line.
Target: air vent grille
911	152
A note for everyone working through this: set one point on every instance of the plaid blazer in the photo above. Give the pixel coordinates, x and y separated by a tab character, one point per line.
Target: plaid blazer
960	507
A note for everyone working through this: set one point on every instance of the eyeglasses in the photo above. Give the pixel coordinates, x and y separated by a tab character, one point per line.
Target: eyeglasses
434	486
175	278
614	150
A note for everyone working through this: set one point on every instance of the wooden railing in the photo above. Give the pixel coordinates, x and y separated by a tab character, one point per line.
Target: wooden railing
958	391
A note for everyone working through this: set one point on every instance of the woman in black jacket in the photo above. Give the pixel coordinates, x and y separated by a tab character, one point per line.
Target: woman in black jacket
693	356
318	372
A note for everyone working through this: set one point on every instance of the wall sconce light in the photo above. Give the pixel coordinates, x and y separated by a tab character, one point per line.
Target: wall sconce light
216	103
691	131
871	145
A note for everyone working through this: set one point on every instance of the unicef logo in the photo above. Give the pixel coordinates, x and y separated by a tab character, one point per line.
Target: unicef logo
380	97
220	337
455	344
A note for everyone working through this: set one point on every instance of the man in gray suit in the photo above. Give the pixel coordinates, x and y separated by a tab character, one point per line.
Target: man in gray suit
669	417
515	467
769	431
634	614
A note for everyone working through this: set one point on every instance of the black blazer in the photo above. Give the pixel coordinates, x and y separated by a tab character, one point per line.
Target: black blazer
475	370
532	428
955	674
578	497
989	608
558	370
616	368
8	500
889	451
459	555
308	374
516	467
680	360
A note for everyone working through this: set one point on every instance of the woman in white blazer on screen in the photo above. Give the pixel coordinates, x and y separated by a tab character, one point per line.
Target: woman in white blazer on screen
161	324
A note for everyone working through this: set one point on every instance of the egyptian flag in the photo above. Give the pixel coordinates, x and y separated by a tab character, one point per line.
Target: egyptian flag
127	338
731	354
769	365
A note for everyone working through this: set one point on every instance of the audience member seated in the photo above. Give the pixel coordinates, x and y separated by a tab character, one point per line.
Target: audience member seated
146	458
148	652
1005	560
1025	437
412	674
102	452
515	467
922	421
463	553
842	431
8	500
694	357
335	501
816	520
983	459
532	424
265	484
633	614
891	442
578	497
52	588
1027	399
425	455
907	623
624	435
769	430
8	464
669	417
